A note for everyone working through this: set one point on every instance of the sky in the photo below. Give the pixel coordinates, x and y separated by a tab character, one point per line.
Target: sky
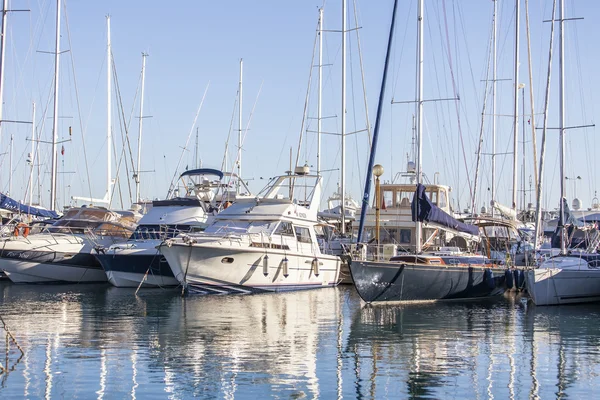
195	47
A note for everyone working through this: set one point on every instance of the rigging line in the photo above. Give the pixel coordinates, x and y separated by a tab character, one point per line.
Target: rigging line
362	74
456	101
441	108
171	186
124	139
402	47
583	106
306	99
354	114
485	93
224	166
87	171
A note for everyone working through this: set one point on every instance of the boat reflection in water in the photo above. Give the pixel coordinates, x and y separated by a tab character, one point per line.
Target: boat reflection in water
474	350
98	341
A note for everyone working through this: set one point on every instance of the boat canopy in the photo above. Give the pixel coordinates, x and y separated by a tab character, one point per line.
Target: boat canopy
13	205
203	171
424	210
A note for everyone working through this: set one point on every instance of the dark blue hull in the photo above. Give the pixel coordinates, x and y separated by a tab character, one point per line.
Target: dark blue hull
129	270
394	281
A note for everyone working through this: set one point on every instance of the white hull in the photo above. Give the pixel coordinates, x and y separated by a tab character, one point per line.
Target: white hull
46	258
569	283
131	279
222	268
22	271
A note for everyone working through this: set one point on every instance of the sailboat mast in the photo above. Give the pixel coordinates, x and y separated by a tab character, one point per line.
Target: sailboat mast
239	155
319	97
494	70
2	54
10	164
139	155
32	155
516	109
419	112
343	149
55	113
108	112
561	120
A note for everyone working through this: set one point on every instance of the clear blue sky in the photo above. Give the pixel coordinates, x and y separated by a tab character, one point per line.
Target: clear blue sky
194	43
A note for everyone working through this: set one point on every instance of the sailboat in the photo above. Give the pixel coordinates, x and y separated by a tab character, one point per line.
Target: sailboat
446	273
63	252
572	277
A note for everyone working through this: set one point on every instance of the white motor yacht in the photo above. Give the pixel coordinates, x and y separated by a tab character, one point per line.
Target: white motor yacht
267	243
63	251
138	261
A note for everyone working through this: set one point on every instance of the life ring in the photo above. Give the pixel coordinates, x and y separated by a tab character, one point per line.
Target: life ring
23	227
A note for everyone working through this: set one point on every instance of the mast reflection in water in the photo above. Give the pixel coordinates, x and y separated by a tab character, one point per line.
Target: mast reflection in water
97	341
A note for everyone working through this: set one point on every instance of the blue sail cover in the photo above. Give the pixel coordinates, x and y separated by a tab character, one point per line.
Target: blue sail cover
12	205
424	210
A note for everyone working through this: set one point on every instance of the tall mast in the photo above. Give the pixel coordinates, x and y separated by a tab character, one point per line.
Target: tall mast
494	69
320	90
516	109
561	120
343	169
239	155
108	112
2	54
32	156
55	114
139	155
419	111
10	164
197	152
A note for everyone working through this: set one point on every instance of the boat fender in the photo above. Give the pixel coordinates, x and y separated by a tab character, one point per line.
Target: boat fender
509	279
519	278
315	266
284	267
488	278
265	262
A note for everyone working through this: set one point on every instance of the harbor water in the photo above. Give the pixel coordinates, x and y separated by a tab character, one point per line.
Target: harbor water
97	341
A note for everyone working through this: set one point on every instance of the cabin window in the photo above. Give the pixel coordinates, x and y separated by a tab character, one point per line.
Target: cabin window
405	236
443	199
285	229
388	235
403	198
388	198
434	197
303	234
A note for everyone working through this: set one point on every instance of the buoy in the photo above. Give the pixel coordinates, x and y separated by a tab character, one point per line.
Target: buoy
265	261
509	279
284	265
315	266
519	277
488	278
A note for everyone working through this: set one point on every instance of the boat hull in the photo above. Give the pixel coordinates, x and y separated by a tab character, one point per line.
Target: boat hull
395	281
50	259
223	269
129	267
83	270
555	286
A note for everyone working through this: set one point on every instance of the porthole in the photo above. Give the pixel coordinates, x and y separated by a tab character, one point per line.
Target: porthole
227	260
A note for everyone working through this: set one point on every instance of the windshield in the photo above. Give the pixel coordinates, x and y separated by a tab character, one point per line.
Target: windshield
240	227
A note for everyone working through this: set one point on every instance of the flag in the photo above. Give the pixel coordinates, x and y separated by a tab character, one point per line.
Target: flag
383	207
62	150
529	121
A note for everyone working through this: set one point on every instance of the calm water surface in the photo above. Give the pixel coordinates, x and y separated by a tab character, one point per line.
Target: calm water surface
88	341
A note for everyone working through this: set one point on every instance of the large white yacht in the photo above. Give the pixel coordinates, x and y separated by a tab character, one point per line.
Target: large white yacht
267	243
63	252
137	261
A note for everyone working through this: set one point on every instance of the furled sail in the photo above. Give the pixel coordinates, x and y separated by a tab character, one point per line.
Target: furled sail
424	210
13	205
